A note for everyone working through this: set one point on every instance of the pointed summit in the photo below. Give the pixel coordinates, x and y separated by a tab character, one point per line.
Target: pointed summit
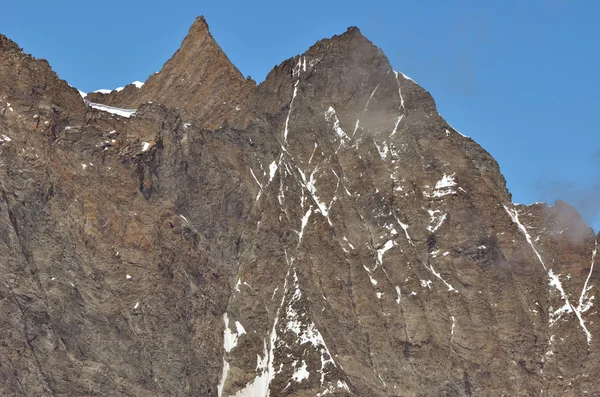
30	83
200	22
199	80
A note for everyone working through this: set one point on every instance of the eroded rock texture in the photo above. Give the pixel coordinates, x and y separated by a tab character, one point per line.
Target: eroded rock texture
323	233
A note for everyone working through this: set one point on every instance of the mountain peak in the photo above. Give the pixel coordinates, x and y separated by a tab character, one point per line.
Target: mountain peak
8	44
200	22
199	80
353	30
199	27
341	239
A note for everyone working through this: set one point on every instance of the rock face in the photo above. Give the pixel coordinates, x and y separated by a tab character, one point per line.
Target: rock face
323	233
199	82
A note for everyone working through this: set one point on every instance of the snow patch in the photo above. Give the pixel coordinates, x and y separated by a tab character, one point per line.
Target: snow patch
112	110
554	281
401	107
230	337
272	170
287	119
305	330
446	181
439	276
435	220
426	283
406	77
515	218
331	117
585	301
381	251
301	373
223	378
305	219
312	189
383	149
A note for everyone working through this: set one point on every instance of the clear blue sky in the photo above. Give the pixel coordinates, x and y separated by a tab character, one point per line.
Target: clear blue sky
520	77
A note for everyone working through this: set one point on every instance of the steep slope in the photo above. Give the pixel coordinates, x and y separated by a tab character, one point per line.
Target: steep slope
198	80
404	272
333	236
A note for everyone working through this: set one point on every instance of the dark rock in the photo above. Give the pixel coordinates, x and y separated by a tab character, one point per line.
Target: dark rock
324	232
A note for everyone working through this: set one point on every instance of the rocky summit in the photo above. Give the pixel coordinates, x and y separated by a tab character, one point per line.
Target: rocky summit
325	232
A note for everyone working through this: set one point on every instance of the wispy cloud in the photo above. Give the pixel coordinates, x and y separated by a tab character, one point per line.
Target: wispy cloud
586	198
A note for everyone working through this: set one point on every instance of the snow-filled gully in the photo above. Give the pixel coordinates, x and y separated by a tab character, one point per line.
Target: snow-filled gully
287	319
585	303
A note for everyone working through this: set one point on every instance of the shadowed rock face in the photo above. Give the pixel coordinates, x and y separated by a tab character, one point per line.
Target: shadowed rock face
323	233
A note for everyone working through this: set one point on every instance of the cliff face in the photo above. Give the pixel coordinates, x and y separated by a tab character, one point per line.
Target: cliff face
324	232
199	82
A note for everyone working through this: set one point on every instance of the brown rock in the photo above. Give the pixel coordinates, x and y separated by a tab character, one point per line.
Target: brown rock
332	236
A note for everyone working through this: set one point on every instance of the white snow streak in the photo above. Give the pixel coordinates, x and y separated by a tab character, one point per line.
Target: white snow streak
110	109
287	119
446	181
406	77
554	281
223	378
313	153
301	373
383	149
386	247
404	227
230	337
272	170
456	132
259	387
432	270
307	332
305	219
401	109
436	220
585	302
312	189
365	110
331	116
515	218
255	178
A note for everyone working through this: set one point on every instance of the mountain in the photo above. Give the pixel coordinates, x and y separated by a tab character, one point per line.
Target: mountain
325	232
199	73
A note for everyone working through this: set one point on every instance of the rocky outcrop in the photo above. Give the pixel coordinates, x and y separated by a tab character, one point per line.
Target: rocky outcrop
123	97
199	82
324	232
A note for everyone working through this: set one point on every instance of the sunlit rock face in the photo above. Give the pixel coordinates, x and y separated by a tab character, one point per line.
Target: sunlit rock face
323	233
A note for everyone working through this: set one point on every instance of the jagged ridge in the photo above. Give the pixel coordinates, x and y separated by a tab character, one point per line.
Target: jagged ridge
332	236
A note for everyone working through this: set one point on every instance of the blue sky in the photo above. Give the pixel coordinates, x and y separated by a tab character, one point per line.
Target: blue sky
519	77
